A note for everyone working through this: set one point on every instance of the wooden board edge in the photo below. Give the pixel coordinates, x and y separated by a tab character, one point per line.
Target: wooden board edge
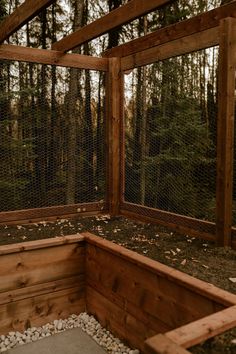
39	244
54	211
205	328
199	286
161	344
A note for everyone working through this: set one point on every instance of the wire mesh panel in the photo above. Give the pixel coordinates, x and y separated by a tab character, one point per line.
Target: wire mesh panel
51	136
170	134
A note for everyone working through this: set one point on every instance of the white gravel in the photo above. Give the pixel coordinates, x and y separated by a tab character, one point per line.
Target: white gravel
87	323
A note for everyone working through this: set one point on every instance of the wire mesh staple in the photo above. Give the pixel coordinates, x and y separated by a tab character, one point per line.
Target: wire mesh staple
51	136
170	135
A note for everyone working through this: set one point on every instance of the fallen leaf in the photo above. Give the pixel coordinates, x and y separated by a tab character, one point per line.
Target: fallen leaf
233	341
173	252
233	280
178	250
205	266
183	262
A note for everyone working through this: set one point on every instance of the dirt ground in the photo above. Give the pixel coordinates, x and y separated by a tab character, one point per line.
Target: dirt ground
198	258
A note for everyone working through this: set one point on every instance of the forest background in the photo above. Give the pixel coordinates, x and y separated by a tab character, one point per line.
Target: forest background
52	119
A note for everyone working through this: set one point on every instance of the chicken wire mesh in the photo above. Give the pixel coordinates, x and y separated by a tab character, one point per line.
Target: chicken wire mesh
170	135
51	136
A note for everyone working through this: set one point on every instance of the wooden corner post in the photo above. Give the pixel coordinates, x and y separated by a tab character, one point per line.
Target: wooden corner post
114	108
225	131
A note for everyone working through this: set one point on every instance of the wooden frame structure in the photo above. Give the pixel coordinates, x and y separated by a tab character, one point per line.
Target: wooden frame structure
216	27
151	306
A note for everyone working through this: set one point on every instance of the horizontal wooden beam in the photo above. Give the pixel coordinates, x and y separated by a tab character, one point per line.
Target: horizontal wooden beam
52	57
120	16
194	227
180	46
30	215
178	30
205	328
23	14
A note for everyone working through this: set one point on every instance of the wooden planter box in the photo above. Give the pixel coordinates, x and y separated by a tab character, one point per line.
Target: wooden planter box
149	305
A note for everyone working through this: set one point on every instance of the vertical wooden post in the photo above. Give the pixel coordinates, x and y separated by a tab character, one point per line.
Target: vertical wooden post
115	88
225	131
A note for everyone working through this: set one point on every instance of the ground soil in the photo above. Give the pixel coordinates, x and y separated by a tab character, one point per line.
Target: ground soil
191	255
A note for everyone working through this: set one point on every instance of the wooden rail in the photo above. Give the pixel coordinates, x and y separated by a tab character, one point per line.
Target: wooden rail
22	14
176	31
120	16
52	57
51	213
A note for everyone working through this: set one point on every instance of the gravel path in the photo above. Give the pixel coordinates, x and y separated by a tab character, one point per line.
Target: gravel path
87	323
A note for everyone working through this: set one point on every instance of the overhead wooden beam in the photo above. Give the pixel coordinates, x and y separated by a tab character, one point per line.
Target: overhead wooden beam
120	16
196	24
225	130
52	57
23	14
180	46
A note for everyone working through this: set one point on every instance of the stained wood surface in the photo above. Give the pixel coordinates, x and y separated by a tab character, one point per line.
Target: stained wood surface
30	215
115	319
225	131
194	227
39	310
178	30
41	281
199	331
22	14
184	280
160	344
19	270
52	57
174	48
115	84
122	15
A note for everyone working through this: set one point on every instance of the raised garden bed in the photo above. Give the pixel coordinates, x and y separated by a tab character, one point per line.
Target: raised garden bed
140	300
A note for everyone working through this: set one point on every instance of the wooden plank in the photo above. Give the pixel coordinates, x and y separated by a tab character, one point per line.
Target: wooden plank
41	289
52	57
188	44
160	344
39	244
114	132
192	284
201	330
178	30
23	269
22	14
123	325
54	218
120	16
179	223
31	215
225	131
159	297
39	310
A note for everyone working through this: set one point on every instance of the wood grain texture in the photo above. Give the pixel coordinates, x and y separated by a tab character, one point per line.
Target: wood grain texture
188	44
194	227
157	296
178	30
20	270
115	87
121	323
205	328
179	278
22	14
160	344
52	57
37	214
122	15
39	310
225	131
